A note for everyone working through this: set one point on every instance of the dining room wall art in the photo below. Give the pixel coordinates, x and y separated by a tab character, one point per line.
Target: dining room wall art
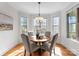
6	22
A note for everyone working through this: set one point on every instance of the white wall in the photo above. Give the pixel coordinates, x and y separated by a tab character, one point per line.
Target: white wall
70	44
8	39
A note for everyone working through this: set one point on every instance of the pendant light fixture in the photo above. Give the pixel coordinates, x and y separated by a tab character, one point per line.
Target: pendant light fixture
39	17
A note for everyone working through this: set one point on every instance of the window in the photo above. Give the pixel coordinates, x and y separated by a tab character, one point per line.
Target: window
23	22
71	25
55	25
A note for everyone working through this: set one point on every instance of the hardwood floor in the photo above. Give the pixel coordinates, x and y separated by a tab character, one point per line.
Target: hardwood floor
19	51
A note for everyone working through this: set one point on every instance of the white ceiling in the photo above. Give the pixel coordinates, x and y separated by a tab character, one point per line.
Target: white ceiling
45	7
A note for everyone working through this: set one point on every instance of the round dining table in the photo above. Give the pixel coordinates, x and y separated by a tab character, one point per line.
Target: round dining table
39	41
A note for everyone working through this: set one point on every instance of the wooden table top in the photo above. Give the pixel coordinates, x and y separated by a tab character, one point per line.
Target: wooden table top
33	38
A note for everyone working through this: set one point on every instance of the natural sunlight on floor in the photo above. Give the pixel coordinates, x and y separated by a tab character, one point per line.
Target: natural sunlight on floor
20	52
16	52
60	50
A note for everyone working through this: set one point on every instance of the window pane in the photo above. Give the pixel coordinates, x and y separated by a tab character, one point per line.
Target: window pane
72	27
72	19
56	20
56	29
23	24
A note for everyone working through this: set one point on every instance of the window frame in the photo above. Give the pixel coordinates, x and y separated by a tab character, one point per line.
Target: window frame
68	24
53	25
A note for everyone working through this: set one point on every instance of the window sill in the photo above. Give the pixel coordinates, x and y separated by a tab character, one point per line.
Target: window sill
74	40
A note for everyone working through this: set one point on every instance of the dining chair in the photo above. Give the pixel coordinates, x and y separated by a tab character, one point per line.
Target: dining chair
47	34
30	33
27	46
53	43
50	46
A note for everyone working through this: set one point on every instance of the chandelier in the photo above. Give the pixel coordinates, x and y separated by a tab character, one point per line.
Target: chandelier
39	17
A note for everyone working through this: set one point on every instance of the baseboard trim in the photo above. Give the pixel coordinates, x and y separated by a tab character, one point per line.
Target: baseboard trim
72	50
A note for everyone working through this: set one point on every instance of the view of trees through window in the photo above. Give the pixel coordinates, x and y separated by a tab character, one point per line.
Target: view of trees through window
23	22
71	25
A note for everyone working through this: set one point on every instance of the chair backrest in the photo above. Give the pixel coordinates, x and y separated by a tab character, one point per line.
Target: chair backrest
26	41
30	33
47	34
53	42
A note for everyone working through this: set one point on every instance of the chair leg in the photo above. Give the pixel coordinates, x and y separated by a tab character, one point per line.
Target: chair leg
54	51
30	54
24	52
50	53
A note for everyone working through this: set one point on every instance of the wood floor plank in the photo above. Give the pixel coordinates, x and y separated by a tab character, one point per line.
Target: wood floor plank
19	51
